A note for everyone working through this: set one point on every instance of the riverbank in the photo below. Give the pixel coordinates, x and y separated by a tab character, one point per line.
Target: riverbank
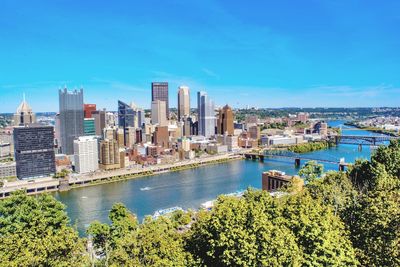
372	129
48	184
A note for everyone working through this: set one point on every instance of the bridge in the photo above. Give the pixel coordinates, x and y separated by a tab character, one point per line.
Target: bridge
362	140
284	154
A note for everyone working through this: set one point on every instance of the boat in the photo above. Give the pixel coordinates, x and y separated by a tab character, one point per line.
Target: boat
165	212
208	205
145	188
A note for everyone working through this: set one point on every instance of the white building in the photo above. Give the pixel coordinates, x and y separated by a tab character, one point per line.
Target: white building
206	115
86	154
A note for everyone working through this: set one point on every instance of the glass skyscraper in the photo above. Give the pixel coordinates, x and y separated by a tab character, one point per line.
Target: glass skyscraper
129	116
159	91
206	115
71	118
34	151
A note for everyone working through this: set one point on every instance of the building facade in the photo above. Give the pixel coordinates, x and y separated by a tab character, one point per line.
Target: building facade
109	154
86	154
206	115
34	151
225	121
89	127
183	102
99	121
8	170
159	91
158	113
71	118
88	110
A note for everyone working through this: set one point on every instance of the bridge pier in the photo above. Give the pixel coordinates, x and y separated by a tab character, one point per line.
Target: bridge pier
253	157
261	158
297	162
359	147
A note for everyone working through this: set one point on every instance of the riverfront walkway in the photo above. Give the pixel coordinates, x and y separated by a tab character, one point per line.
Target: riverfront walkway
49	184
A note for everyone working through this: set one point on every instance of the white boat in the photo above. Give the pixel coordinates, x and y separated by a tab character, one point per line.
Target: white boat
145	188
208	205
164	212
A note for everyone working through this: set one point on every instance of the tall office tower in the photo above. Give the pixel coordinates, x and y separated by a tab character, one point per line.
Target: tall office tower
88	109
99	121
34	151
24	114
159	91
86	154
129	116
158	113
206	115
109	154
71	118
89	127
183	102
225	121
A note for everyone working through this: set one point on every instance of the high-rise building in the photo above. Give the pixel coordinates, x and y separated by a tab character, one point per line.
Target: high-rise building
183	102
109	154
158	113
129	116
71	118
159	91
34	151
86	154
89	127
88	109
206	115
130	136
254	132
225	121
24	114
99	121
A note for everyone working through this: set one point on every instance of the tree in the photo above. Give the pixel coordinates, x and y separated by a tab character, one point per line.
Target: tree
35	231
311	171
258	230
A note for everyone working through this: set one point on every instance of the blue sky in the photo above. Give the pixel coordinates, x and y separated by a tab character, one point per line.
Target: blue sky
283	53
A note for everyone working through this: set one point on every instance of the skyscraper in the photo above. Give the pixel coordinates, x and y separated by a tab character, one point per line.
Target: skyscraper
158	113
206	115
86	154
24	114
71	118
183	102
129	116
159	91
225	121
89	127
34	151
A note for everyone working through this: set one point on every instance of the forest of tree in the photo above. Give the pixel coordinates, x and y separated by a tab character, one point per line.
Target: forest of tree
347	218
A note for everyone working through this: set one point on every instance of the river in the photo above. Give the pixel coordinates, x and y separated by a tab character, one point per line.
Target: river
188	188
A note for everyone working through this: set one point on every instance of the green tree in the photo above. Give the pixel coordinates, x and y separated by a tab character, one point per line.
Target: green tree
311	171
35	231
258	230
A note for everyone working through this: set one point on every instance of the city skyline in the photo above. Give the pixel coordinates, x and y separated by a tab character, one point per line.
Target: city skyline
340	54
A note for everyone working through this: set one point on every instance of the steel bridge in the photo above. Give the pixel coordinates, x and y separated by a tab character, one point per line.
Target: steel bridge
284	154
363	140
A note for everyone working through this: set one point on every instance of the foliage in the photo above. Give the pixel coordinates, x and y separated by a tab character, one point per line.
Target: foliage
34	231
258	230
311	171
309	147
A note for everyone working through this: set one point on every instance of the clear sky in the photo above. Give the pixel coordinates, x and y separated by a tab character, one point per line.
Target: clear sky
258	53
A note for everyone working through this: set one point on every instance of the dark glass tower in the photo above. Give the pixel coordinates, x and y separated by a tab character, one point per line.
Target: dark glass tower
34	151
71	118
159	91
